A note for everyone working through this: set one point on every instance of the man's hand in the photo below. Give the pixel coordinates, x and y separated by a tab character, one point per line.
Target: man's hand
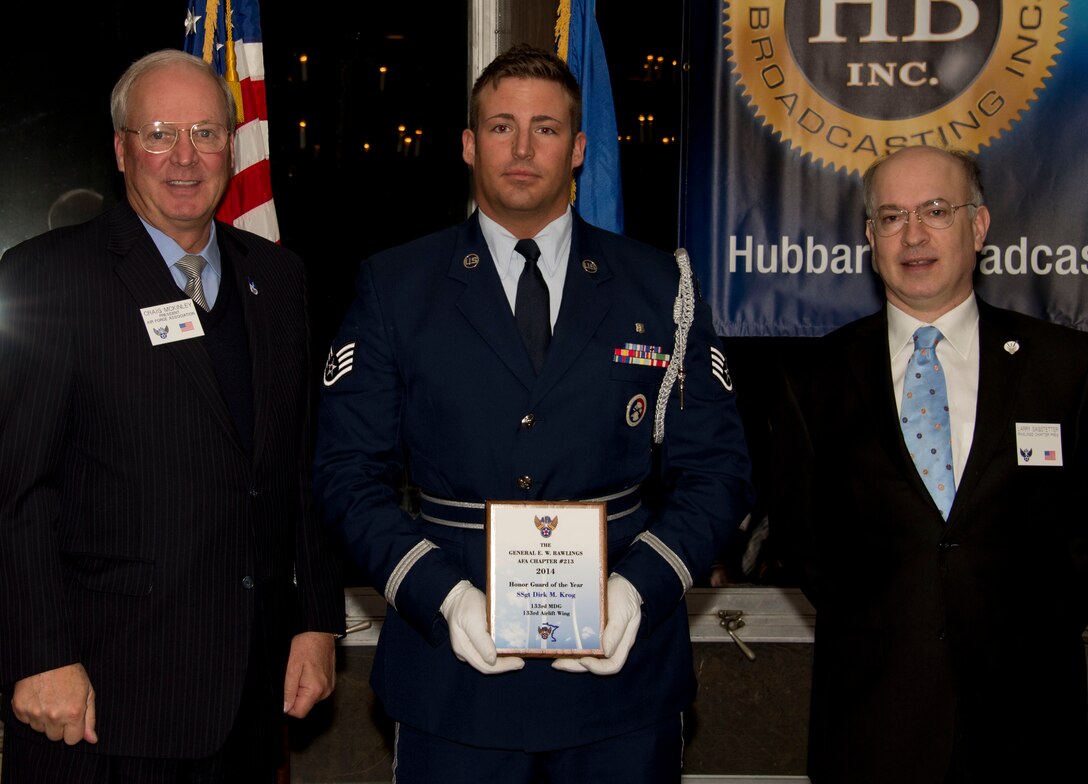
624	616
311	672
59	703
465	609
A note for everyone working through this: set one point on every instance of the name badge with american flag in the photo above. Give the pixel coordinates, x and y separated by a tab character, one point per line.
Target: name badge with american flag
171	322
1038	444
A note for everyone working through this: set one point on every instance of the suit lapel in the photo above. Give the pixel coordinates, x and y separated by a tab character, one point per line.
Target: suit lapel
584	306
998	370
483	301
143	272
246	279
999	373
871	365
870	362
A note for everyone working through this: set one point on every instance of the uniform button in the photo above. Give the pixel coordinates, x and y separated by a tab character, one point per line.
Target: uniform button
940	634
253	492
247	582
525	482
528	420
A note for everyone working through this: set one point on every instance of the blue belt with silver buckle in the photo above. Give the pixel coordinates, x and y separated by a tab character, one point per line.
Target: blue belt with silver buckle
470	514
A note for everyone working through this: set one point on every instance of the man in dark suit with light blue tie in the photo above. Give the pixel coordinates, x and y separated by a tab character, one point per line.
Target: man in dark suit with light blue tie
168	594
436	360
942	525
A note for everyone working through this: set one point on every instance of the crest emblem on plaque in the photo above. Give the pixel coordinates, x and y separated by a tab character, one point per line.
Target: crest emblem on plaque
546	524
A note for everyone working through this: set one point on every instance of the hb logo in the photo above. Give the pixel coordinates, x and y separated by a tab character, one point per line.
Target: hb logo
845	81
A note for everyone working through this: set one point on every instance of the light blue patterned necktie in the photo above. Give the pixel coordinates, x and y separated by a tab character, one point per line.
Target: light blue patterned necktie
924	418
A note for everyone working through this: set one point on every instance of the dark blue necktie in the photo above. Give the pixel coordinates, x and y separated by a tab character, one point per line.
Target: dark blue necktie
924	418
531	309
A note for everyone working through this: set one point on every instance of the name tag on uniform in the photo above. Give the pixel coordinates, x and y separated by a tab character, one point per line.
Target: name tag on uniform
1038	444
171	322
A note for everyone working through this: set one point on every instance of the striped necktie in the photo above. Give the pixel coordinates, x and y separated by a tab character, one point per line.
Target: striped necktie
192	266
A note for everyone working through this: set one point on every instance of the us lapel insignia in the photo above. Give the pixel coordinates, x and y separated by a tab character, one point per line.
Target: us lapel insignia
471	261
1012	347
252	287
640	327
590	266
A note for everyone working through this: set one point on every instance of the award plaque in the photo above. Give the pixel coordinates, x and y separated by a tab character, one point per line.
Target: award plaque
546	564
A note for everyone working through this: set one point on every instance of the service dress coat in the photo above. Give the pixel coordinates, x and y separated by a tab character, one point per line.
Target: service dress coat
936	638
429	364
137	535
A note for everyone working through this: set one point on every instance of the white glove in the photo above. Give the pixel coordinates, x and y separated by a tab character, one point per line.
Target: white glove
624	616
465	609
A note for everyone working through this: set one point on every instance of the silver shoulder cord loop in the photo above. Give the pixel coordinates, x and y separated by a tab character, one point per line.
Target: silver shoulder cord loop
683	313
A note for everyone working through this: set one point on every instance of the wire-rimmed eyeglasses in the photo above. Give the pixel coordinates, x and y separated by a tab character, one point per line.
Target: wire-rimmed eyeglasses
160	137
935	213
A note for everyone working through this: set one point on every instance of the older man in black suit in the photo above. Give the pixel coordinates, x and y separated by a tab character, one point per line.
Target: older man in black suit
941	523
167	591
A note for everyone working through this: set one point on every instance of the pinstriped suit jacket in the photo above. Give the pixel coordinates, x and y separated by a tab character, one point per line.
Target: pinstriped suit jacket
137	536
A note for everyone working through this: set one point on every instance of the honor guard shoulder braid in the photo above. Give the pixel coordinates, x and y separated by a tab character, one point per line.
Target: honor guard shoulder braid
683	313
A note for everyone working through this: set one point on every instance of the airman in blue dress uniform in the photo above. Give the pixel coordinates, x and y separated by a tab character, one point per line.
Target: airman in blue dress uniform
429	367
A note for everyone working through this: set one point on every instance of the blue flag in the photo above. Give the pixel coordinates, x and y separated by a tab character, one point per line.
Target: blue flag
598	196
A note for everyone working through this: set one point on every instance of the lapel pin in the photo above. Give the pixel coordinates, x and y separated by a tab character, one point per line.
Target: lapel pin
252	287
471	261
589	265
640	327
1012	347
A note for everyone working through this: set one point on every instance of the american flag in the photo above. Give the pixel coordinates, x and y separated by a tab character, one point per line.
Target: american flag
237	53
1049	454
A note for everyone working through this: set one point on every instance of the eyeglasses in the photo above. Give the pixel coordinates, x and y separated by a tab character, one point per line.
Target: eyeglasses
936	213
160	137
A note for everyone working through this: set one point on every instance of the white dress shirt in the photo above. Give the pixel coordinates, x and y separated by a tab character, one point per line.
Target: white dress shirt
554	243
958	355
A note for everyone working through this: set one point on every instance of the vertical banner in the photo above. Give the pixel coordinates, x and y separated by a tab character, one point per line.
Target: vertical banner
791	100
598	196
235	48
